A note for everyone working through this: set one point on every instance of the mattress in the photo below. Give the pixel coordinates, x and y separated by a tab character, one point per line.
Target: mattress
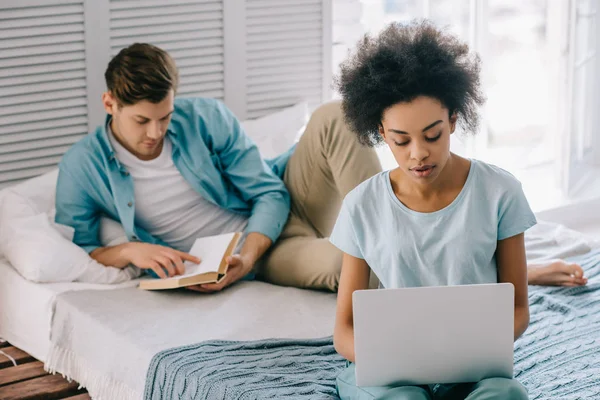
26	308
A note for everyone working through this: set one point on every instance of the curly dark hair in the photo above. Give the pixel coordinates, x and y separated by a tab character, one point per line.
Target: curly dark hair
403	62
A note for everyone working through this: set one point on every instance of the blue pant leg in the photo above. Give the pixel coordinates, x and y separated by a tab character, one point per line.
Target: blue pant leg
498	389
347	389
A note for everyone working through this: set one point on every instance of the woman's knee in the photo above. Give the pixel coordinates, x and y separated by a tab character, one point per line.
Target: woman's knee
500	388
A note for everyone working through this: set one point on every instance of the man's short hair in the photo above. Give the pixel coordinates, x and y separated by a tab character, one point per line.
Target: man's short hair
141	72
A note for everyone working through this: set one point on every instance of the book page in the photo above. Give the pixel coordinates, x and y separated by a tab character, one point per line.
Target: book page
210	250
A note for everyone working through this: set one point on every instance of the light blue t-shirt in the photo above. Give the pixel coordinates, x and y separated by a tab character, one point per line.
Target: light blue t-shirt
453	246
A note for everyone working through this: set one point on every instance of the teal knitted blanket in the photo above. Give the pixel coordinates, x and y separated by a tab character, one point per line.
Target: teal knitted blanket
557	358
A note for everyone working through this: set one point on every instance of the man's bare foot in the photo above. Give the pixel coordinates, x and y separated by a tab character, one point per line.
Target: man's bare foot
556	273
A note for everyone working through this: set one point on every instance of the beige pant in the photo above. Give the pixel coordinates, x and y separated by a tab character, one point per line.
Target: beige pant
327	164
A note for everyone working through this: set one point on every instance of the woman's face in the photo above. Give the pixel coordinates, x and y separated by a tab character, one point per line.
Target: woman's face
418	133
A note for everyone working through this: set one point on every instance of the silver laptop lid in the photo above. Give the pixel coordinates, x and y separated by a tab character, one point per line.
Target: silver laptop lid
427	335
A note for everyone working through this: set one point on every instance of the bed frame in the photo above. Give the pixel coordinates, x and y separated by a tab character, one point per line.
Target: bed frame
29	381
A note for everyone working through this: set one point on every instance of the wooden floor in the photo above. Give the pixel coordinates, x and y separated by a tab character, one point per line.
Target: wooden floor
28	380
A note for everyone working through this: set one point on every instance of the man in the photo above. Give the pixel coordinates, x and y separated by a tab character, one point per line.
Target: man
172	170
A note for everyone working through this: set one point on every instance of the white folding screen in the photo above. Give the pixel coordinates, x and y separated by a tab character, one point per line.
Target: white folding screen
42	85
191	31
285	54
255	55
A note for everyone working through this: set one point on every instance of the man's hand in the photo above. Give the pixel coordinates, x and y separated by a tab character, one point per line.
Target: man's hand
158	258
239	267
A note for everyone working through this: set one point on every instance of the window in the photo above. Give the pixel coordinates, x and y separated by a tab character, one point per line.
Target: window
541	79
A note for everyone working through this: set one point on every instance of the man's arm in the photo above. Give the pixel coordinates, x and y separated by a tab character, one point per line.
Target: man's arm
164	261
257	184
247	171
76	208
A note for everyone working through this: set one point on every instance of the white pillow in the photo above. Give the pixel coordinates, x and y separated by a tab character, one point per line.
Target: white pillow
275	133
36	248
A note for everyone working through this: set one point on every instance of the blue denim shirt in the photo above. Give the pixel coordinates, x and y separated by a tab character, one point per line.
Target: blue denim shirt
210	150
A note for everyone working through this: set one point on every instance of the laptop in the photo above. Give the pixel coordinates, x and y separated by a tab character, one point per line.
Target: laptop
427	335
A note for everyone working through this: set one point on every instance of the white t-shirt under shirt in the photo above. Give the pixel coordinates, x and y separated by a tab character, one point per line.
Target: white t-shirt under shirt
167	206
453	246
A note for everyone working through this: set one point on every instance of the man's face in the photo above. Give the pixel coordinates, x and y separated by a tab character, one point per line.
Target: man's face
140	128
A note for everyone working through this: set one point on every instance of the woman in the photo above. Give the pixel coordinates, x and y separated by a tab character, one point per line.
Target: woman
438	219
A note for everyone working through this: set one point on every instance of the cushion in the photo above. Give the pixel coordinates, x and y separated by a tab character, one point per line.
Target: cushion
42	251
275	133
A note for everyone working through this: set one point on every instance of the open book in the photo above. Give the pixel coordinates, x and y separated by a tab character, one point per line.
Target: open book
212	251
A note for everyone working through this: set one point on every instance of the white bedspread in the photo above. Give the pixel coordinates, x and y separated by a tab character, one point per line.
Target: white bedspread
250	311
106	340
26	308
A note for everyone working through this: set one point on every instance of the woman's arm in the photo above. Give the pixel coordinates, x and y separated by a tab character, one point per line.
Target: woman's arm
354	276
512	267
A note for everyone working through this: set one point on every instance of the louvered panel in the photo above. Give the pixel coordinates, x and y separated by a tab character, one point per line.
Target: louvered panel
30	80
284	44
43	50
41	59
20	43
267	98
11	150
152	23
161	39
208	70
298	5
257	14
27	109
284	86
282	78
142	4
28	32
20	166
42	134
284	54
285	36
284	28
43	116
54	124
42	87
305	67
274	103
192	92
309	59
201	56
190	30
201	87
206	29
31	22
40	97
43	97
199	83
189	48
174	9
260	109
41	69
28	156
46	12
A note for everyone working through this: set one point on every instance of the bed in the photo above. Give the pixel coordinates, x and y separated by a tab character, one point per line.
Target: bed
259	340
